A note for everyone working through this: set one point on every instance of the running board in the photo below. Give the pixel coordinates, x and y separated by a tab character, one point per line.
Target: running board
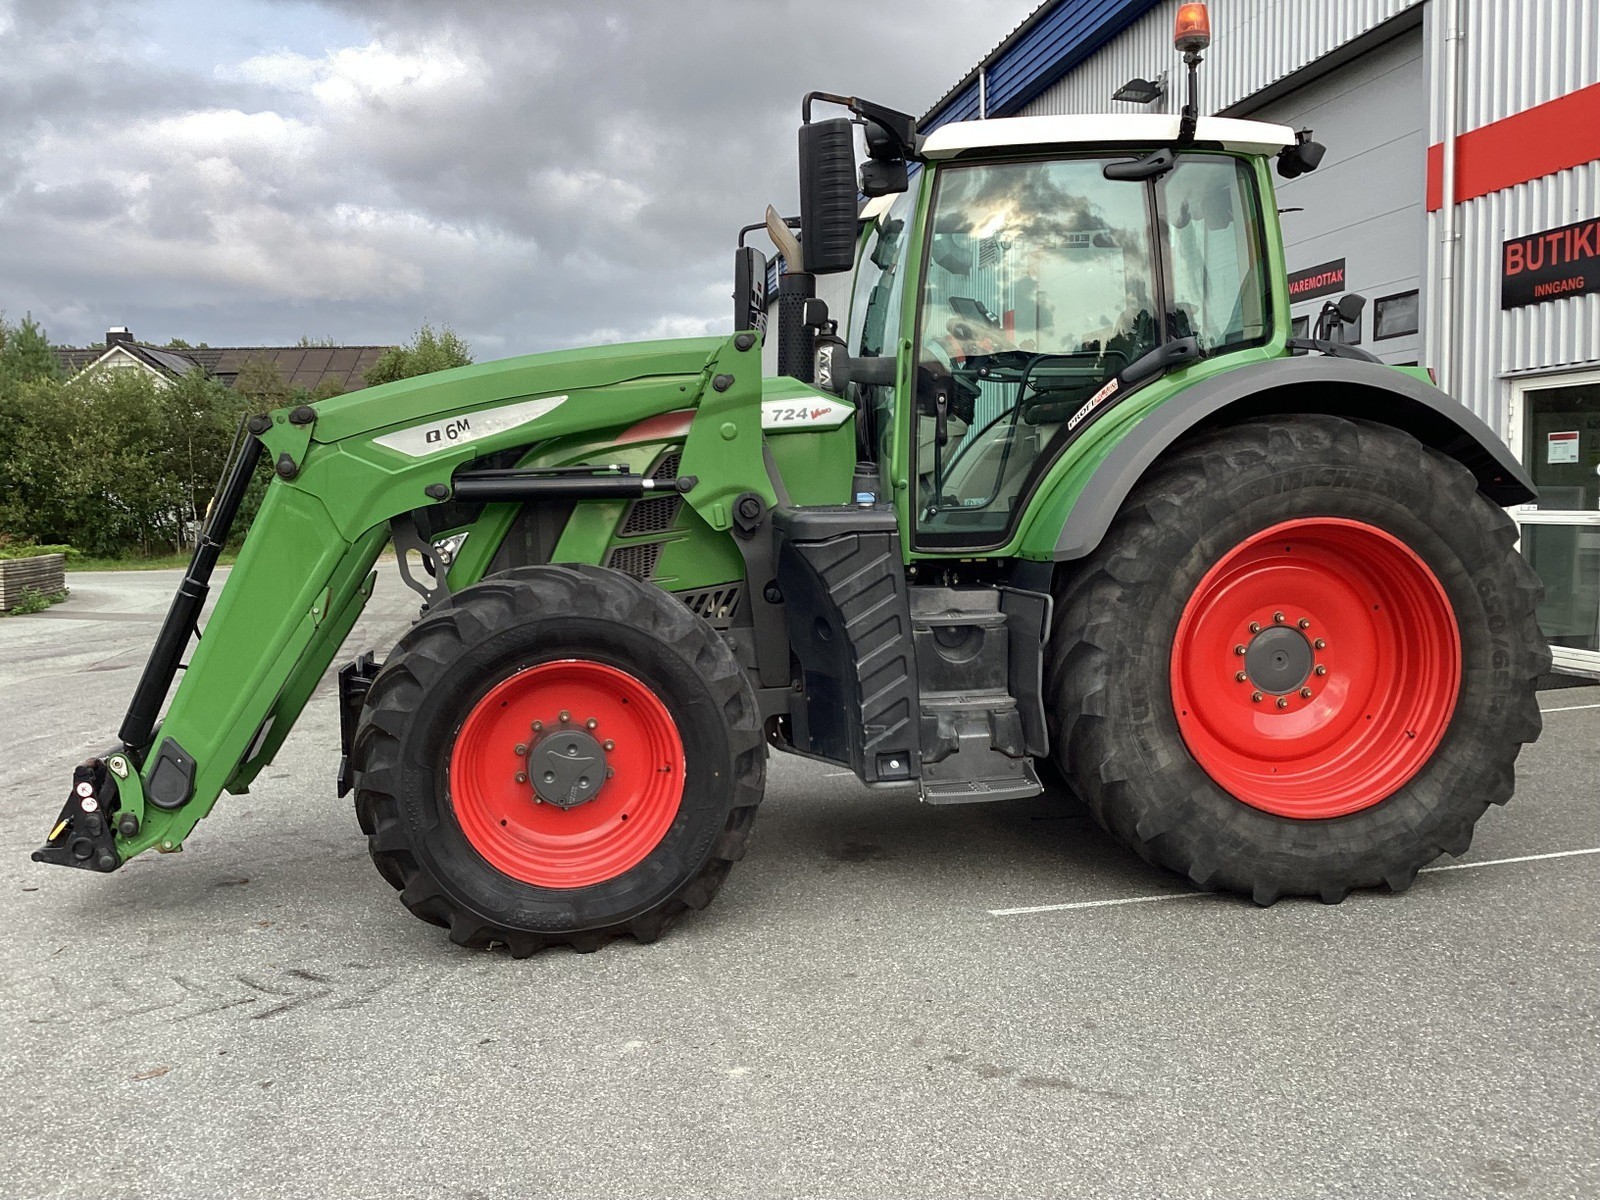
974	734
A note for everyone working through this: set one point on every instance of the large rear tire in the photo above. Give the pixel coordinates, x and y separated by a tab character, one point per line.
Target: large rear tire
1302	660
558	755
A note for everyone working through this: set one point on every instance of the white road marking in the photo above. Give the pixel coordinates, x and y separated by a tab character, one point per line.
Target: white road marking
1490	862
1042	908
1570	708
1500	862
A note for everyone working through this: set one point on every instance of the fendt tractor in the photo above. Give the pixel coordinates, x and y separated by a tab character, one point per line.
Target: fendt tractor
1060	494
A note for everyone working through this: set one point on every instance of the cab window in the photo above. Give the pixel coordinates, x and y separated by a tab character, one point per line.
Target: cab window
1213	231
1039	288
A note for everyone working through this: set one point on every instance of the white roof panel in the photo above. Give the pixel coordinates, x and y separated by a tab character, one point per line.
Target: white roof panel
1250	137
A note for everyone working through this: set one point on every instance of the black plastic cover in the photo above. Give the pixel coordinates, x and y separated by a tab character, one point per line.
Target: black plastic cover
849	621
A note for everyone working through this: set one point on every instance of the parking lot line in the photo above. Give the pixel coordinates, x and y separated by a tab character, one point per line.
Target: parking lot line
1569	708
1488	862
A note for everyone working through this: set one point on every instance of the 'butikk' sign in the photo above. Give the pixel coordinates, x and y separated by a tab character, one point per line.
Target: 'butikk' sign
1551	264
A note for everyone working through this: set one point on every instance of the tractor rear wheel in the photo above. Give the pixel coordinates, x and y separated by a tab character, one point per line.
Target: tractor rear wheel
558	755
1302	660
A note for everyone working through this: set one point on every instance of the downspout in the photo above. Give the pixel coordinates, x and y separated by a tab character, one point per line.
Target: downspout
983	92
1449	316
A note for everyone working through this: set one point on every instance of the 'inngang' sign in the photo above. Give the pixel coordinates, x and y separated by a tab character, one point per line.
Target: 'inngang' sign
1551	264
1319	280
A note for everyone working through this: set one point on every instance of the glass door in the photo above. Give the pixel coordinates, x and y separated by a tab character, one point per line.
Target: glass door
1557	421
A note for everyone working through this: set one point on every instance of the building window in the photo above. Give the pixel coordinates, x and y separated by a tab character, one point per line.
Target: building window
1394	316
1300	327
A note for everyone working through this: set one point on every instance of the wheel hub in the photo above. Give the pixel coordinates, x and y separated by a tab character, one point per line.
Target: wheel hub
1278	660
567	768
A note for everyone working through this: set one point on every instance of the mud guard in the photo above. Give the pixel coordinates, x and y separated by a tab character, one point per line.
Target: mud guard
1337	387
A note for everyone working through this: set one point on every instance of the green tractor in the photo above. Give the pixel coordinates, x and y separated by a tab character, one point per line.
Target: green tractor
1060	493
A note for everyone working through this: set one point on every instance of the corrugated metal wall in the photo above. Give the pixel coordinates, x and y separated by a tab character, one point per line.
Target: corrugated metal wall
1515	54
1255	43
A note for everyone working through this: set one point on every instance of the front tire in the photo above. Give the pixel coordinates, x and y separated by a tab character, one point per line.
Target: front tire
1302	660
558	755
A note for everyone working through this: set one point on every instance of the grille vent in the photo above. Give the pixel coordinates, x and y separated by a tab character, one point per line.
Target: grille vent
657	513
638	561
716	604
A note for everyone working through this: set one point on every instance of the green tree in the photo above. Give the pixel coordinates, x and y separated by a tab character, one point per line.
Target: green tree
427	352
25	352
260	385
307	342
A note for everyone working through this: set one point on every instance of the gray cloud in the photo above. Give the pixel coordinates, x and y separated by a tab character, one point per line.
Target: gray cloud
538	175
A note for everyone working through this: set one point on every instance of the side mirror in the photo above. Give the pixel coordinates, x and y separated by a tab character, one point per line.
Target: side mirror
884	173
1337	314
750	290
827	196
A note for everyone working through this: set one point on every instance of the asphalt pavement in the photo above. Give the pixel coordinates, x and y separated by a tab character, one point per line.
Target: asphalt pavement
885	1000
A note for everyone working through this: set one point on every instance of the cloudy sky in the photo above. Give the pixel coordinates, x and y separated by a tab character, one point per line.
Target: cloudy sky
536	174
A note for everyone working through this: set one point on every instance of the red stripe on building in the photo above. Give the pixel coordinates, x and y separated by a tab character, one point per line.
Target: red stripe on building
1541	140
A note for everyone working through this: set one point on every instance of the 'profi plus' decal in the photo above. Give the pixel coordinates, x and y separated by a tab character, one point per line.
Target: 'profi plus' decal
422	440
1093	403
817	413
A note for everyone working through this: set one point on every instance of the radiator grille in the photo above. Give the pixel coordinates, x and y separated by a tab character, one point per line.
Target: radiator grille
716	604
638	561
657	513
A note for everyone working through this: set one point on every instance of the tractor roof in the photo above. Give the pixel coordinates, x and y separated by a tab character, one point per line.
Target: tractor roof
1102	129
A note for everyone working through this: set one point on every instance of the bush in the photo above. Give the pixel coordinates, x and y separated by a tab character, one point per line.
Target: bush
32	600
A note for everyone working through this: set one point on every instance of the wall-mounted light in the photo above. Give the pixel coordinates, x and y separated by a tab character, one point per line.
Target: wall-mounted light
1142	91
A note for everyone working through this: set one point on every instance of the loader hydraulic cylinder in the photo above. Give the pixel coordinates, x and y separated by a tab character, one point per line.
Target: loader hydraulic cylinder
138	727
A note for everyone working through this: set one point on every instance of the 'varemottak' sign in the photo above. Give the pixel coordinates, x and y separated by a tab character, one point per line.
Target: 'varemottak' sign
1551	264
1320	280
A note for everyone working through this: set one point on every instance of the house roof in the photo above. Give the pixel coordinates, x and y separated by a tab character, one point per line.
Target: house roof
298	366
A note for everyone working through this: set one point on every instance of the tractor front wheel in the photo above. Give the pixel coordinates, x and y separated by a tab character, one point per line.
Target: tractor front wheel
1302	660
558	755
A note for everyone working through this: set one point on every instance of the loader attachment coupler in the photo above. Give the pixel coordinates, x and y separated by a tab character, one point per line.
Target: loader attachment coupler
83	835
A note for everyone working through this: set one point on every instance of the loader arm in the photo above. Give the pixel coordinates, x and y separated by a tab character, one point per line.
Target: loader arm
343	470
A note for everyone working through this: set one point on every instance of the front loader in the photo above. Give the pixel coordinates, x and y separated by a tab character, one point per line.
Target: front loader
1061	488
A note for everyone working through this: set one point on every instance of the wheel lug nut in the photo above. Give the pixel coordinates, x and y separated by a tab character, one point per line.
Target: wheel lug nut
1277	618
1320	644
564	716
1255	697
1321	670
1305	693
520	749
537	726
591	723
1283	702
610	771
1255	626
1240	677
1238	649
522	777
608	744
1304	623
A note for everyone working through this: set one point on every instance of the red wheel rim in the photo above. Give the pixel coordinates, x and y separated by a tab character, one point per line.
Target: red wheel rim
1382	660
598	839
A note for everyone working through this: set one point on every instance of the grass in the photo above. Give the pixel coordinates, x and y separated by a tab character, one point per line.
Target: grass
159	562
32	601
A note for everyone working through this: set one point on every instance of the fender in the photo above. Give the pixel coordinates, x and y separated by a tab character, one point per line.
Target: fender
1334	386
